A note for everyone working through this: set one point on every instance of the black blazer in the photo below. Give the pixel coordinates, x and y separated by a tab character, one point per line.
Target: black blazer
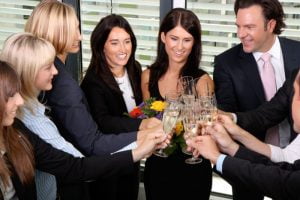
67	167
272	112
257	173
70	113
108	106
238	84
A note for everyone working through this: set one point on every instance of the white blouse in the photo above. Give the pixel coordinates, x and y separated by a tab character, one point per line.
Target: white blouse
125	87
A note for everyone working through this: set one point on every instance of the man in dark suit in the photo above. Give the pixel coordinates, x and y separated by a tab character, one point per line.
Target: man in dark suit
237	74
237	78
251	171
272	112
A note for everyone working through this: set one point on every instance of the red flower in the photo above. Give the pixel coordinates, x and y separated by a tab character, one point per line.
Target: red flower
135	112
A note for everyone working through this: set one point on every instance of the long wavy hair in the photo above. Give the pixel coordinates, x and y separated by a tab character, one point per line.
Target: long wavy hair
189	22
98	61
18	149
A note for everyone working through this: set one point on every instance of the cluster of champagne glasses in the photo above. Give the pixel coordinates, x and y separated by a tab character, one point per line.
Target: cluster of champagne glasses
196	109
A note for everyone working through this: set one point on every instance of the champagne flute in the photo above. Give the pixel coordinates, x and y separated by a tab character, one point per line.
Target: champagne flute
209	111
186	84
204	90
170	116
190	129
184	147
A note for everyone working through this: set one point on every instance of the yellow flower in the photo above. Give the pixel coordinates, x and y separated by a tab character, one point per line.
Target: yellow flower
158	106
178	128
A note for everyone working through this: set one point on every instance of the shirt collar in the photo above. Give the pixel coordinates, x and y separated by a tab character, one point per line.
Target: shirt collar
275	51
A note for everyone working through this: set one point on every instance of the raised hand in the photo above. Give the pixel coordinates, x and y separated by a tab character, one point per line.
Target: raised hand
206	146
232	128
149	123
223	139
229	114
142	133
151	140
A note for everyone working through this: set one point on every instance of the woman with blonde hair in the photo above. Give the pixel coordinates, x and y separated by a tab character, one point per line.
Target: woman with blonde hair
57	23
23	51
22	151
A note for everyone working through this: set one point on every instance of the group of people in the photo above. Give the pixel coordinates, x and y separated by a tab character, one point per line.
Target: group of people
35	83
62	140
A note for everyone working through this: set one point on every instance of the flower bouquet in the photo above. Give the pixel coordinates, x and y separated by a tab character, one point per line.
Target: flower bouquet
148	108
154	108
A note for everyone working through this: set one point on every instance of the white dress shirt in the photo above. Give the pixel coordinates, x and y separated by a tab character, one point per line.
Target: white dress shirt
278	64
288	154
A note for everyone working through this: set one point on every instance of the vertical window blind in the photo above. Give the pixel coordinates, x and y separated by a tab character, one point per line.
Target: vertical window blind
143	16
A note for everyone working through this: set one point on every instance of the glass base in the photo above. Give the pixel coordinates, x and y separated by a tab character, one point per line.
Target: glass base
186	152
160	153
193	161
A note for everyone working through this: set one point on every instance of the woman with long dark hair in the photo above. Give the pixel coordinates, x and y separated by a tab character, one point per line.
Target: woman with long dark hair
113	79
178	54
57	23
112	88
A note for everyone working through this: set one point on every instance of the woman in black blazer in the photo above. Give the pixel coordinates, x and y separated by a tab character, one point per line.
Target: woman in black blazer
112	81
112	88
22	151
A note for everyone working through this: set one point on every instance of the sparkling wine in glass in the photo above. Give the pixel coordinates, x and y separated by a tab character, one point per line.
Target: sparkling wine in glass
169	120
191	129
209	111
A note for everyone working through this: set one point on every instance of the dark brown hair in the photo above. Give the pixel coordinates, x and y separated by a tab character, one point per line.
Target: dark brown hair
189	22
18	149
98	60
272	9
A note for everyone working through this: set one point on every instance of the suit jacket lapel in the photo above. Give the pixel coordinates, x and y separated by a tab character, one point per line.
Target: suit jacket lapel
120	100
249	66
289	57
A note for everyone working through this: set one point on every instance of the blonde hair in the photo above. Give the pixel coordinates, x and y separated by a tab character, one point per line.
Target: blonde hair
55	22
27	53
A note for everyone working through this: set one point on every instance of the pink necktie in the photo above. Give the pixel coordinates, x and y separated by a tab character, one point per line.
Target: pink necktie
268	76
268	79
